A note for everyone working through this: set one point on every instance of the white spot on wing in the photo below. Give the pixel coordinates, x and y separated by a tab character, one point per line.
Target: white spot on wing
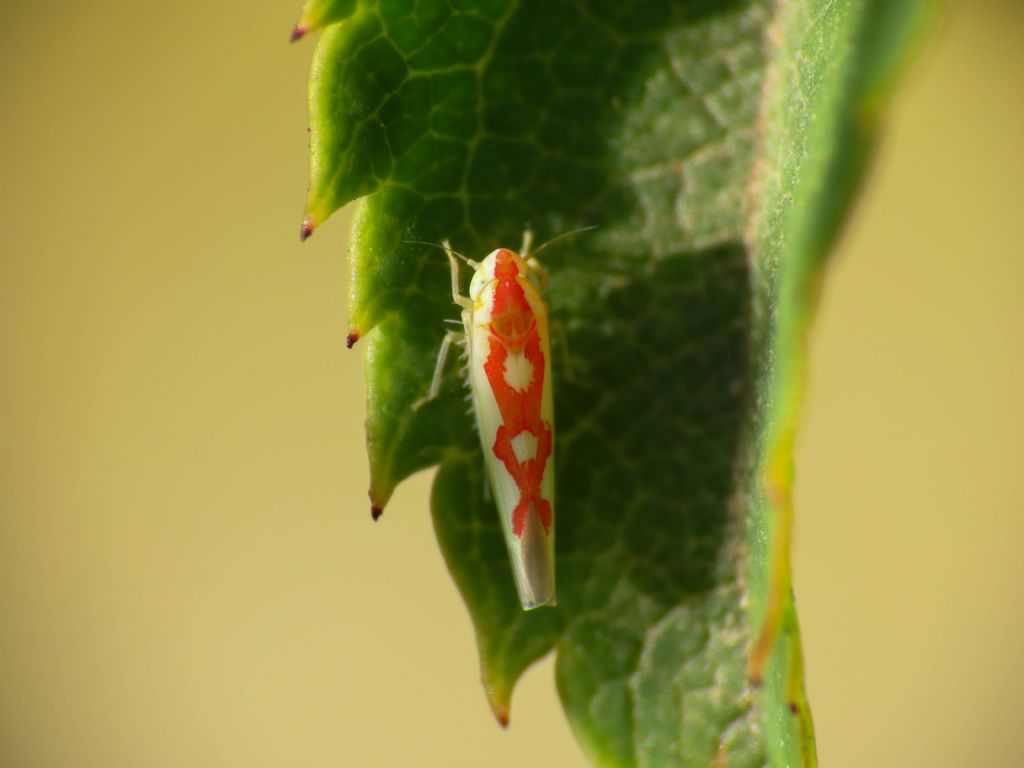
524	445
518	372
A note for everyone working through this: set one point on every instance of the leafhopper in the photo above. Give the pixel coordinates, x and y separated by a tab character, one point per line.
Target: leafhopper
505	334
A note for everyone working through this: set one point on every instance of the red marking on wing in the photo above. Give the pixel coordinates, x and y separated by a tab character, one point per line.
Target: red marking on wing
513	329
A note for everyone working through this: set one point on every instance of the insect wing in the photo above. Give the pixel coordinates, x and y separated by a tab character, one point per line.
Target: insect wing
511	454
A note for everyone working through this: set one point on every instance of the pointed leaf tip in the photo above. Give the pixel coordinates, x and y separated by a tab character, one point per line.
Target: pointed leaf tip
501	713
317	14
351	339
308	225
499	699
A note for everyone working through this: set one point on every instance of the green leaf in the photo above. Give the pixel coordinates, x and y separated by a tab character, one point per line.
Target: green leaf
717	146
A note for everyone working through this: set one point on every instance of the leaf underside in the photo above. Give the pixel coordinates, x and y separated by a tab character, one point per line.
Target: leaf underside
715	145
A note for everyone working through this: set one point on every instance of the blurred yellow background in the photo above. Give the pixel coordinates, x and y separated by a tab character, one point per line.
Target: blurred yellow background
188	571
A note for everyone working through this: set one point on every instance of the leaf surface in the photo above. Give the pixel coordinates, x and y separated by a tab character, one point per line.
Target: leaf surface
716	146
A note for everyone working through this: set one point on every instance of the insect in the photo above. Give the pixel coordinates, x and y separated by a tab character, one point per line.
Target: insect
505	333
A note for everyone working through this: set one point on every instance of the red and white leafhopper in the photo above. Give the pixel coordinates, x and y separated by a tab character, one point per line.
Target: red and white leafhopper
509	352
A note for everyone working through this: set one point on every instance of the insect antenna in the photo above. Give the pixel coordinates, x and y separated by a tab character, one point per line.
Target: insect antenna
446	249
562	236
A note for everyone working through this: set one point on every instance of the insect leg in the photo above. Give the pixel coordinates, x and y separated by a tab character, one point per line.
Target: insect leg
457	297
524	249
540	276
557	328
442	356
